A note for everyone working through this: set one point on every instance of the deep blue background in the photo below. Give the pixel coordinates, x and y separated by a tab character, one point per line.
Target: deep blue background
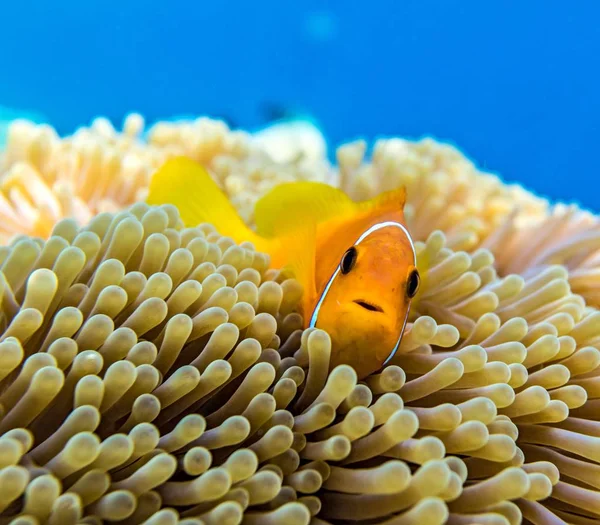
515	84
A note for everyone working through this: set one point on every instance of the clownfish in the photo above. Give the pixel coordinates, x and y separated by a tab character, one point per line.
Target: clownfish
356	261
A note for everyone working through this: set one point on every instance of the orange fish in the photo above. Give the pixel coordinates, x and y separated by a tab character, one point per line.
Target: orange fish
355	260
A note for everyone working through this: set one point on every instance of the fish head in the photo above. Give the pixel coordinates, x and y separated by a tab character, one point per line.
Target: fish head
364	306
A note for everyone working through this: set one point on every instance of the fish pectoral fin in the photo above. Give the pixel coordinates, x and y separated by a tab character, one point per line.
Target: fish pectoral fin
288	206
188	186
299	250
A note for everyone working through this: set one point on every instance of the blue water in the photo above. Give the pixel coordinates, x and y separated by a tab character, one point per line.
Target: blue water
515	84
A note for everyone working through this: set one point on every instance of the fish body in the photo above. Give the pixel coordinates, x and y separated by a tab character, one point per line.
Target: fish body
355	260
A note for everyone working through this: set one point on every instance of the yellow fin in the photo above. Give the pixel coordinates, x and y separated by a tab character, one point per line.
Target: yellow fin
188	186
391	199
292	205
299	251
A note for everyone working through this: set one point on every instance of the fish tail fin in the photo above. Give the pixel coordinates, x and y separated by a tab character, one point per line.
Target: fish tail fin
188	186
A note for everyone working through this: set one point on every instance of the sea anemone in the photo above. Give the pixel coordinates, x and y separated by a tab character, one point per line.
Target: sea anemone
477	210
155	373
44	178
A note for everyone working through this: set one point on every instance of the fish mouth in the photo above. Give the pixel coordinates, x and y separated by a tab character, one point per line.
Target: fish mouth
368	306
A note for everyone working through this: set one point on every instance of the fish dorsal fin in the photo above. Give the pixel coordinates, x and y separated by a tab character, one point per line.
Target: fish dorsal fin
292	204
290	214
388	200
188	186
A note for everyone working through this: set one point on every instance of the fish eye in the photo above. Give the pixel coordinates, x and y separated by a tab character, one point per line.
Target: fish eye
348	260
412	285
